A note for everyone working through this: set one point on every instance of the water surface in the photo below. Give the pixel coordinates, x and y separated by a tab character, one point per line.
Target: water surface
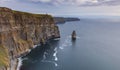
97	47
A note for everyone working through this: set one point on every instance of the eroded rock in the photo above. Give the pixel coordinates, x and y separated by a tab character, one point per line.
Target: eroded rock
20	31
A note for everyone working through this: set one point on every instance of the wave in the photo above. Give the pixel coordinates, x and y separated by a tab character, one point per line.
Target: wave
55	56
51	62
67	42
20	59
19	63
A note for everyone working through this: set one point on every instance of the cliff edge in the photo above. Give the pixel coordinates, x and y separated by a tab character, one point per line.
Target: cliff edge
20	31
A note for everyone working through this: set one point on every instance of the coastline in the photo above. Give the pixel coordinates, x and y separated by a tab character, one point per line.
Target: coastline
18	36
19	60
19	63
59	20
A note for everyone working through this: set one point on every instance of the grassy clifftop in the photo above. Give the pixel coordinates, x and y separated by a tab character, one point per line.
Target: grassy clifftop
31	14
20	31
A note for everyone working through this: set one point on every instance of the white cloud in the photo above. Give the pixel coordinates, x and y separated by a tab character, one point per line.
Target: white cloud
70	2
4	1
44	1
84	1
78	2
65	1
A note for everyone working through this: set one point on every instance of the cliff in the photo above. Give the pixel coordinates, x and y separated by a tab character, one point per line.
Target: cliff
20	31
65	19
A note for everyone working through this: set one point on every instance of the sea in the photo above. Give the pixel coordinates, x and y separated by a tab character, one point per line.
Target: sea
97	47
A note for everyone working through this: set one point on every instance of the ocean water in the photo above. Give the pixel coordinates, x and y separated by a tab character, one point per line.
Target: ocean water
97	47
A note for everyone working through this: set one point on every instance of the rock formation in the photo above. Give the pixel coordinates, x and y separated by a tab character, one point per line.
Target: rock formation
20	31
73	35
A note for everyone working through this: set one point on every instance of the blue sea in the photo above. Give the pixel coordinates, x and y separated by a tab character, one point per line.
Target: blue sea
97	47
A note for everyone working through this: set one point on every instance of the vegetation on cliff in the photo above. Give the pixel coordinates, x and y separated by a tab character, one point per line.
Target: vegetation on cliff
20	31
31	14
4	56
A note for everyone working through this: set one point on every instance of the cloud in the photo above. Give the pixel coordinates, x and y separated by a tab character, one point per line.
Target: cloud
4	1
44	1
69	2
78	2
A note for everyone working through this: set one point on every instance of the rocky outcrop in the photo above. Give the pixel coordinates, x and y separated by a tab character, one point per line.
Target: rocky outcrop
20	31
73	35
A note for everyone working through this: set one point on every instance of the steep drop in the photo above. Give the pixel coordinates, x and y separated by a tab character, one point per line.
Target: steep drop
20	31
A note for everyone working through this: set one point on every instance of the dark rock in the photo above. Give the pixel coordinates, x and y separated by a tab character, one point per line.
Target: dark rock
73	35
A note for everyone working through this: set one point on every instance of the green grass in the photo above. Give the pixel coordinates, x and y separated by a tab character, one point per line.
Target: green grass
31	14
4	61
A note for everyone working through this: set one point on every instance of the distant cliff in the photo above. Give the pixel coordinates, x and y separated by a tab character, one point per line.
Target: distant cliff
63	19
20	31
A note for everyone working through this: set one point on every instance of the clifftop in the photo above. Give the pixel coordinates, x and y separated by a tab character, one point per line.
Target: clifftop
20	31
5	9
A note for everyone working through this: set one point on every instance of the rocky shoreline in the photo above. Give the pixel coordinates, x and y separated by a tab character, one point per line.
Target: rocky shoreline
19	60
19	32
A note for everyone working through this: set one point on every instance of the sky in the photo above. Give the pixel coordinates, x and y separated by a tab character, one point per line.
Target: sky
65	7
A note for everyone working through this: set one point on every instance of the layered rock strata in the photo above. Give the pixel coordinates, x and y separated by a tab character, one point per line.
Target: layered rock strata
20	31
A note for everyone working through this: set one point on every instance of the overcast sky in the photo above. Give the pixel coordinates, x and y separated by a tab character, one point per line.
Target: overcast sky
65	7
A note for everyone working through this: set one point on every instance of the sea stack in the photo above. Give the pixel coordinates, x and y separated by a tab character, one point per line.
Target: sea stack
73	35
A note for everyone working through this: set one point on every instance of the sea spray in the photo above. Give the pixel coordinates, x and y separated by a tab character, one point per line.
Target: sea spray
67	42
19	63
50	61
55	54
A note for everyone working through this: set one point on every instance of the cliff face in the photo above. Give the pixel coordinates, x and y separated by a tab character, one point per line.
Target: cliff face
20	31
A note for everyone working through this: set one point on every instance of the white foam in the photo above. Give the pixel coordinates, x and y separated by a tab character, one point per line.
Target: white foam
55	54
44	56
51	62
55	49
29	50
19	63
20	60
56	59
66	43
56	64
35	46
61	48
